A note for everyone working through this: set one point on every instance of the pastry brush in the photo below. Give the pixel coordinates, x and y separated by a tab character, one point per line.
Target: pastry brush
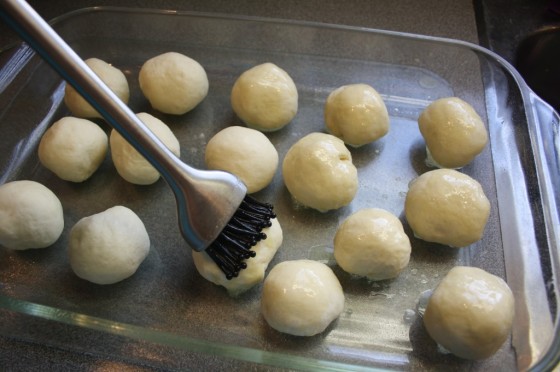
214	211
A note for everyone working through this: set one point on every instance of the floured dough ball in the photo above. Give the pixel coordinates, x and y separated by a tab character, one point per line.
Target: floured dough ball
265	97
73	148
108	247
470	313
132	166
173	83
301	297
256	266
372	243
319	173
31	215
453	131
110	75
356	114
245	152
447	207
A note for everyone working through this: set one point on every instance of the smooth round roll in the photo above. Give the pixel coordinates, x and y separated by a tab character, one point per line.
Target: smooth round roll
110	75
265	97
470	313
372	243
245	152
356	114
73	148
447	207
319	173
256	266
173	83
31	215
454	133
301	297
108	247
130	164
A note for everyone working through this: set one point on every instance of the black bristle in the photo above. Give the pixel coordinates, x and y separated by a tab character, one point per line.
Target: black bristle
230	250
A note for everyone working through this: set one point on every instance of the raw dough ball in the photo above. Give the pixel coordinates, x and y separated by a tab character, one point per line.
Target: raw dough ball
132	166
265	97
470	313
73	148
319	173
372	243
173	83
31	215
453	131
111	76
108	247
256	266
301	297
245	152
356	114
447	207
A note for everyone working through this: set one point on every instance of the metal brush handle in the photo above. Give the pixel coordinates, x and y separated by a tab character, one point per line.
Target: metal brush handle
206	200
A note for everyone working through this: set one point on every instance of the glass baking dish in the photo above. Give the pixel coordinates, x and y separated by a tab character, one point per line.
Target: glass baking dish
167	316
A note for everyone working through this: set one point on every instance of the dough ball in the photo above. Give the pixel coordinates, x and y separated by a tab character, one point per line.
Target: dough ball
447	207
453	131
108	247
356	114
470	313
110	75
265	97
319	173
301	297
245	152
256	266
173	83
73	148
132	166
31	215
372	243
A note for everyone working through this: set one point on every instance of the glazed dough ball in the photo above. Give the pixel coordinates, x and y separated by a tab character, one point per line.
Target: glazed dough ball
173	83
372	243
470	313
132	166
110	75
319	173
73	148
108	247
256	266
31	215
453	131
447	207
356	114
301	297
265	97
245	152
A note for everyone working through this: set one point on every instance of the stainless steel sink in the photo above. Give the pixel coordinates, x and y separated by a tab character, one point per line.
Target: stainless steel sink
538	60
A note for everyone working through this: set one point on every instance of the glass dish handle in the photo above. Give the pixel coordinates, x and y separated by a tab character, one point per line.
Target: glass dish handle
547	133
547	157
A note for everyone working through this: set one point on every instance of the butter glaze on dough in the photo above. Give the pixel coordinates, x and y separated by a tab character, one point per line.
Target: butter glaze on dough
256	266
301	297
470	313
319	173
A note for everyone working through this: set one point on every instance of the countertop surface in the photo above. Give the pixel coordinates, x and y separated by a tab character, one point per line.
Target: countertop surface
431	17
467	20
